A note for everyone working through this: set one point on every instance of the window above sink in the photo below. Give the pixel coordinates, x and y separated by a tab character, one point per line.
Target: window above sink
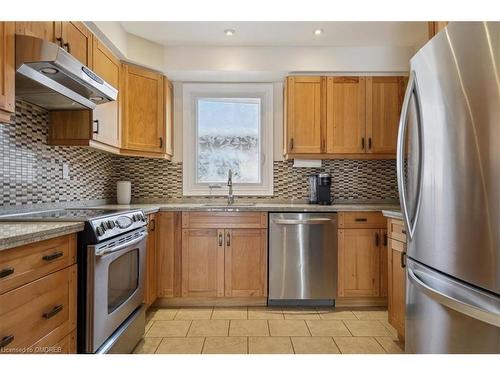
227	127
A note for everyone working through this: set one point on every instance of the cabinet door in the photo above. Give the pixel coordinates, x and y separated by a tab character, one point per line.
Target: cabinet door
384	98
40	29
76	39
169	117
202	263
359	263
397	286
143	123
169	253
106	116
305	116
245	263
151	292
346	125
7	70
383	263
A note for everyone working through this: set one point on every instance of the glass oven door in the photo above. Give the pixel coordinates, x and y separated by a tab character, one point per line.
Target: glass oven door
118	290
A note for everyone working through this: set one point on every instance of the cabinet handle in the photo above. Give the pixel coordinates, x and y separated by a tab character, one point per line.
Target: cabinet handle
96	129
228	239
363	143
323	145
403	259
291	143
385	239
60	42
403	231
220	239
56	310
66	47
161	142
152	225
6	272
53	256
360	219
6	340
377	239
370	143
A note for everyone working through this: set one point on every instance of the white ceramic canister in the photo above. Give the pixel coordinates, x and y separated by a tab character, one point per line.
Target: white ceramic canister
123	192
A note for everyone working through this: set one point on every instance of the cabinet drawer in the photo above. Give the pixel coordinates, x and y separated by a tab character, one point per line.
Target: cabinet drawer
54	344
35	310
397	245
227	220
24	264
361	219
397	230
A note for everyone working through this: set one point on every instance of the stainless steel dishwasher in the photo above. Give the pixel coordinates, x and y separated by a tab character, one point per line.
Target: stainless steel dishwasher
302	258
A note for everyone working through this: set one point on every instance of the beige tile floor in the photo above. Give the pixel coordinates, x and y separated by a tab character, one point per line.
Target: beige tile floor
267	330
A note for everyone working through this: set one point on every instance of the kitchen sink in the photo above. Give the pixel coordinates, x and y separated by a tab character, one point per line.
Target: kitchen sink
215	204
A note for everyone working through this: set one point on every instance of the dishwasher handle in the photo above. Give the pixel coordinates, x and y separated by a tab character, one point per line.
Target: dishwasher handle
311	221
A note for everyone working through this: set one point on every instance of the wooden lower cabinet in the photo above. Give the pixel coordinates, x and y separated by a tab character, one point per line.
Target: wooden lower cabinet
224	262
359	261
245	263
362	259
151	279
396	259
202	263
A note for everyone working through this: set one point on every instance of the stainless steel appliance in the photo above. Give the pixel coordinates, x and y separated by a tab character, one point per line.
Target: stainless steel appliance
302	258
449	184
111	268
49	76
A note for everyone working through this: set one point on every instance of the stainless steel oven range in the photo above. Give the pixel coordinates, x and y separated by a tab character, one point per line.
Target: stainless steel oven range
111	268
111	261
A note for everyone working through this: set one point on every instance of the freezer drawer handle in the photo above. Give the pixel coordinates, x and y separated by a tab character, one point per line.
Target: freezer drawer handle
319	220
455	304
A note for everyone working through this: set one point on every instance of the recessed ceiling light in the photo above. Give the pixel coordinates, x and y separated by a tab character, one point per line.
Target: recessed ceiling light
318	31
229	32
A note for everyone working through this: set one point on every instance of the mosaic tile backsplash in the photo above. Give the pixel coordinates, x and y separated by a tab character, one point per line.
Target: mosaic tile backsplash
351	179
32	171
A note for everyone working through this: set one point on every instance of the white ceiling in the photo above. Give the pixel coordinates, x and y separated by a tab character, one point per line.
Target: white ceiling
398	34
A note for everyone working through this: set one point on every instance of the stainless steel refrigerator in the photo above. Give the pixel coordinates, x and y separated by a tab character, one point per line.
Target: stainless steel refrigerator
449	184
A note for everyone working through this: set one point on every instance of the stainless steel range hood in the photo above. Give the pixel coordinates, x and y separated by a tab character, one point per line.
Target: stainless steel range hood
48	76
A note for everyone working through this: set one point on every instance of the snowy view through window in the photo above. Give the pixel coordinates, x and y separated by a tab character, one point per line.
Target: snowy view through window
228	138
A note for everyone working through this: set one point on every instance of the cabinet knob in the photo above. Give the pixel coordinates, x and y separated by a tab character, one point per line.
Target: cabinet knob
291	144
403	259
161	142
363	143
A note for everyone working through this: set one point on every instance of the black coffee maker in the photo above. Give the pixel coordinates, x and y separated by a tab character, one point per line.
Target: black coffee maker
319	189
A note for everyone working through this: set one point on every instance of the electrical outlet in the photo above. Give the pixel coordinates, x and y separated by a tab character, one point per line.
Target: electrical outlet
65	171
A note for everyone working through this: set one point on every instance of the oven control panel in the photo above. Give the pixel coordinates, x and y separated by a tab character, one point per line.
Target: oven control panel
110	226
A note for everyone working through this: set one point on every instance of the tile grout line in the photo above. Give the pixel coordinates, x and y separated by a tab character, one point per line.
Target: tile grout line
203	345
158	346
190	325
293	347
334	343
308	329
345	325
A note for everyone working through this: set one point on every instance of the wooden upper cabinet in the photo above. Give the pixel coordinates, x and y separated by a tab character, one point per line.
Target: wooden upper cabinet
106	117
7	71
346	115
169	116
75	38
305	115
359	263
143	121
40	29
245	263
384	98
202	263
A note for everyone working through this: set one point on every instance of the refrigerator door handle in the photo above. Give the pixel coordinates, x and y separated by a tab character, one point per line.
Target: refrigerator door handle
412	90
466	308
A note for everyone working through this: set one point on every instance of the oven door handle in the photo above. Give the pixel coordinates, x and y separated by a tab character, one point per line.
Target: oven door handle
122	246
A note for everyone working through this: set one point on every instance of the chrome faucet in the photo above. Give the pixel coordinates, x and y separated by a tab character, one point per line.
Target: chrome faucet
230	196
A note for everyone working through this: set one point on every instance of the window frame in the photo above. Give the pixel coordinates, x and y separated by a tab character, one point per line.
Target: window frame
191	93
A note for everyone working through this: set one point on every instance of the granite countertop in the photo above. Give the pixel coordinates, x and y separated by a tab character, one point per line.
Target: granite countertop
393	214
303	207
13	234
